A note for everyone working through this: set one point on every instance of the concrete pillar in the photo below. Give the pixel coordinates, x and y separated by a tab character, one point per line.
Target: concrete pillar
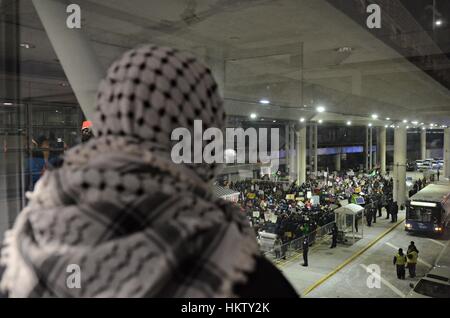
292	164
382	151
370	149
337	162
366	150
287	147
316	137
447	152
423	144
301	155
311	148
400	165
74	51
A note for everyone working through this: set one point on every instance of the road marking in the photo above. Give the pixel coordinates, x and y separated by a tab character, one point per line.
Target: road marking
437	242
350	259
419	259
385	282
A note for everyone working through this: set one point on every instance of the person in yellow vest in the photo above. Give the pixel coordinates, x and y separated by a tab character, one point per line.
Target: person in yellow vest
400	261
412	262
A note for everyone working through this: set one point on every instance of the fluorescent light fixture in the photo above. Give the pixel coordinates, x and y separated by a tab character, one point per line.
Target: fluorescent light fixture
349	123
385	126
427	204
27	45
274	121
407	127
421	123
438	22
7	104
431	125
264	101
370	125
405	121
302	119
253	116
374	116
415	122
320	121
320	109
423	128
388	118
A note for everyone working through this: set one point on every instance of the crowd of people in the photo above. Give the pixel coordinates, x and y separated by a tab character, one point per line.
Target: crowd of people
293	211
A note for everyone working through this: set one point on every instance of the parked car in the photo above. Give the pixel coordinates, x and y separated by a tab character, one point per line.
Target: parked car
411	166
435	284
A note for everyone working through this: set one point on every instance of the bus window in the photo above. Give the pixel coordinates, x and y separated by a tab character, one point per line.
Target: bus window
421	214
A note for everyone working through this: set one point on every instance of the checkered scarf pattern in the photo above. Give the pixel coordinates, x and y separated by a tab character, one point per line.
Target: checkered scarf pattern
135	223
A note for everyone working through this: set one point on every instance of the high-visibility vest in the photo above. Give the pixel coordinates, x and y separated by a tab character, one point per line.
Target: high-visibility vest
400	259
413	259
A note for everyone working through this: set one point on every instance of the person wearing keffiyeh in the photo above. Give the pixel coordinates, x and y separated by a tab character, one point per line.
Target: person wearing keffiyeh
134	222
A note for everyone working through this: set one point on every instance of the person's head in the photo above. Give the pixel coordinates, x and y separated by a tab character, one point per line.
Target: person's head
42	142
412	243
400	251
153	95
86	131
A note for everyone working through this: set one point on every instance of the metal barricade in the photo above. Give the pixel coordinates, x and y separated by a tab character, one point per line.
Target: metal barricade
291	248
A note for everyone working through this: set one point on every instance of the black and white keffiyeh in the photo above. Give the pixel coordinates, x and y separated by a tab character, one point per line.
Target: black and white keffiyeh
136	224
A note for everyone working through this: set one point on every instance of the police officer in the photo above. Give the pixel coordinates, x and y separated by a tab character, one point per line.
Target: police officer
369	216
394	212
400	261
305	251
412	257
334	235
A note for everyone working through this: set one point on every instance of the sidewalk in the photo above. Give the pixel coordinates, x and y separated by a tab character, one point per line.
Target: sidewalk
324	262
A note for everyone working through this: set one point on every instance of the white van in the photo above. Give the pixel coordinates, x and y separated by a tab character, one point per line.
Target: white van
435	284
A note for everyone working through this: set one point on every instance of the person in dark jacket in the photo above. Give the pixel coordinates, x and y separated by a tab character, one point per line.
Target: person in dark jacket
334	235
394	212
369	216
305	248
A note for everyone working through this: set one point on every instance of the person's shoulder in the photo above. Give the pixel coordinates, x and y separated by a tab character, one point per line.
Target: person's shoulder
265	281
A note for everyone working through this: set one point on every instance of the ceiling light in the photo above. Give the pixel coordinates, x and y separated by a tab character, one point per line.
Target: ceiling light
438	22
344	49
431	125
392	126
421	123
264	101
27	45
374	116
407	127
253	116
320	109
7	104
415	122
349	123
302	120
405	121
320	121
262	119
388	118
274	121
370	125
423	128
385	126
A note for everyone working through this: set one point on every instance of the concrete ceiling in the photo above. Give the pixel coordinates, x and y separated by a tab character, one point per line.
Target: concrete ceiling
282	50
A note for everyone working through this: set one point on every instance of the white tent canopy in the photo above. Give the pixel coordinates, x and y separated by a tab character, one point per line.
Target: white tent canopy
346	218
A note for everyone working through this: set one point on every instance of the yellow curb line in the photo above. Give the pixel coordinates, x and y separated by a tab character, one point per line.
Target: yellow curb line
350	259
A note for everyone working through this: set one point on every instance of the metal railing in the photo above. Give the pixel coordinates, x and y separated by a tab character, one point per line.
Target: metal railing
291	248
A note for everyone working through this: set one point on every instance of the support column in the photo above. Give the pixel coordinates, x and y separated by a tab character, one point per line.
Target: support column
292	169
311	149
370	149
315	148
382	151
447	152
423	144
83	72
366	150
301	155
287	146
337	162
400	165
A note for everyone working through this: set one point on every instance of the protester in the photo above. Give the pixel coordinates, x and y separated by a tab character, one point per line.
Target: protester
135	222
